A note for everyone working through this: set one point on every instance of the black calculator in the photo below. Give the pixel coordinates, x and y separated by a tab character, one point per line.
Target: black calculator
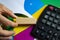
48	24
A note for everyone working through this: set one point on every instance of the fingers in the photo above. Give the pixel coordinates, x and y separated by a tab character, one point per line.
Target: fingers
9	12
5	33
6	10
1	8
5	38
7	22
0	27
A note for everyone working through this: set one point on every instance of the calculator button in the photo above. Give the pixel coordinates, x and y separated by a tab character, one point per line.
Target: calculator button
54	25
58	27
57	16
56	21
51	18
48	12
51	8
43	21
50	31
41	27
58	10
53	14
48	23
46	16
47	37
55	9
37	32
55	34
42	34
53	38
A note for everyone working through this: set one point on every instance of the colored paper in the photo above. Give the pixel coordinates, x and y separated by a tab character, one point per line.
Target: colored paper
31	6
26	34
52	2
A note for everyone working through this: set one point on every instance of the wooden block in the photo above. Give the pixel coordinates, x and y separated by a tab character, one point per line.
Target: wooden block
23	20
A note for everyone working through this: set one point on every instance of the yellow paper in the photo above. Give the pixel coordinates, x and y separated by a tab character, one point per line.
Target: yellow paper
38	13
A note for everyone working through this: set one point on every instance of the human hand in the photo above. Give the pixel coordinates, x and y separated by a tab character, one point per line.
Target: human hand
5	34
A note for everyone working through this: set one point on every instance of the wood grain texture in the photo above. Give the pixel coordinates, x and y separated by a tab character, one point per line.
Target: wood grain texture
23	20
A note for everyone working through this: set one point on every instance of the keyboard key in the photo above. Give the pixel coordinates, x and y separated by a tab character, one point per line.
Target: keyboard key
46	16
48	23
41	27
58	27
53	25
43	21
53	38
51	8
50	31
48	12
47	37
53	14
55	34
57	16
56	21
43	34
51	18
58	10
37	31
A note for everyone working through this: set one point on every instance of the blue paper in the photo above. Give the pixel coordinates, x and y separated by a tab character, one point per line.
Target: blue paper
32	6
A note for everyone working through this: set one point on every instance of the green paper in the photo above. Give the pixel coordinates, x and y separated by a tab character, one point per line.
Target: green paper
52	2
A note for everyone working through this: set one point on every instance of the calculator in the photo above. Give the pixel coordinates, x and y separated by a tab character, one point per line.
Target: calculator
48	24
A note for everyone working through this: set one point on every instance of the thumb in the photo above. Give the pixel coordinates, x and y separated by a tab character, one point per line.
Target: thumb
6	33
5	38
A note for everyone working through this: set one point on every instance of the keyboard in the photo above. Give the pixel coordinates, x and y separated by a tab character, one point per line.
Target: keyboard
48	24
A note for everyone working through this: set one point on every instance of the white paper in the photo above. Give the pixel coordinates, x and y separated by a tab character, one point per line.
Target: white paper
17	6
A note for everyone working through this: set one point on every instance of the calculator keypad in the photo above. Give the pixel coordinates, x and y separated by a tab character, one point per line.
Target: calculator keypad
49	24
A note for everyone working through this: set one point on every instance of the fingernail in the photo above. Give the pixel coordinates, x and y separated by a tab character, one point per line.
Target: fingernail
15	16
16	24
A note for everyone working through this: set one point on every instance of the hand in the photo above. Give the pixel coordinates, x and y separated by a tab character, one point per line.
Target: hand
3	20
